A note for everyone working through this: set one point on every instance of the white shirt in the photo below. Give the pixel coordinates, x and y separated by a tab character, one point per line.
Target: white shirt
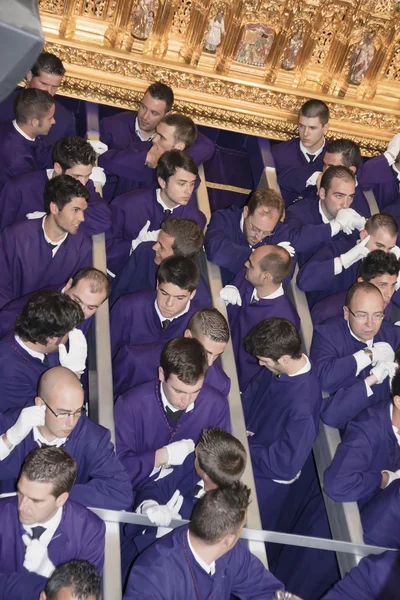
305	151
33	353
305	369
279	292
335	227
40	440
139	133
50	525
241	227
49	173
362	359
396	171
210	569
160	201
395	429
162	319
49	241
22	132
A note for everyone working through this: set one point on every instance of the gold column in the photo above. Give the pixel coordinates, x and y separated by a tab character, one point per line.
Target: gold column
229	43
116	32
195	32
67	25
157	44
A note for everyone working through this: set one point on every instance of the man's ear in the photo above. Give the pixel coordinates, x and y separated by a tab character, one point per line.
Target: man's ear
29	76
42	596
54	210
180	146
322	193
192	295
68	285
363	234
346	313
396	401
245	211
353	169
161	375
187	333
57	168
61	500
162	183
39	401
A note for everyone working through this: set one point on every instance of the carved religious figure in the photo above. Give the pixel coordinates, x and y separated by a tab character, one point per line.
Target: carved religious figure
255	43
143	18
292	51
361	58
215	33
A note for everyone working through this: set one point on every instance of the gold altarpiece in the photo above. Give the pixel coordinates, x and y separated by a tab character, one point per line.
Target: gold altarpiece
245	65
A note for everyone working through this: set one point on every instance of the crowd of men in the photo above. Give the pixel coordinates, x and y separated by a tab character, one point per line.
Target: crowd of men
175	457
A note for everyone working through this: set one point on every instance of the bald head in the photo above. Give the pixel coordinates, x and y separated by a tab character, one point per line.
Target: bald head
273	262
59	382
364	310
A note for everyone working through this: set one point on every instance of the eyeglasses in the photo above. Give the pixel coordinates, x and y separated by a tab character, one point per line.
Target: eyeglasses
362	316
74	415
255	230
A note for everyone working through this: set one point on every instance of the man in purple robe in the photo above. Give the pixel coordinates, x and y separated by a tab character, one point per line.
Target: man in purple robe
177	237
34	346
137	215
41	252
254	295
21	149
204	559
158	423
378	267
382	175
58	418
159	316
46	74
344	350
42	527
72	156
333	268
136	364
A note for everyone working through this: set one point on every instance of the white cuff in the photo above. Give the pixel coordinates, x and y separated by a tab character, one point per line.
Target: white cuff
337	266
312	180
362	360
369	390
335	228
4	449
392	477
389	157
145	505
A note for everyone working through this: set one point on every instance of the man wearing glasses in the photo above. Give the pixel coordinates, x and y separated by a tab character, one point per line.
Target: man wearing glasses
344	350
58	418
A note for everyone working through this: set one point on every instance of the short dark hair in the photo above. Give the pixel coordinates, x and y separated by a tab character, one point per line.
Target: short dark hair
73	150
80	575
210	323
180	271
160	91
49	63
315	108
349	150
220	512
332	173
186	358
360	286
99	282
188	236
31	103
62	190
50	464
273	338
267	200
395	384
185	129
47	314
172	160
278	263
221	456
382	220
378	263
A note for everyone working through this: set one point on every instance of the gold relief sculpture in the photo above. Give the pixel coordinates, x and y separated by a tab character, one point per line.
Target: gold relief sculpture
55	7
143	18
254	45
361	58
215	32
181	18
295	45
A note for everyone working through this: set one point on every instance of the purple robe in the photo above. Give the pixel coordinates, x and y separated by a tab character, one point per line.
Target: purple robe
118	131
26	260
380	517
80	534
130	212
133	320
368	447
377	577
101	482
293	182
332	352
139	273
142	426
167	570
24	194
134	365
20	586
332	306
19	155
359	204
382	179
288	154
245	317
20	373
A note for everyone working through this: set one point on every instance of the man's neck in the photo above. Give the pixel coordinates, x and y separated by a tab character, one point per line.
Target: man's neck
267	289
326	213
44	432
206	552
167	200
36	347
28	130
53	232
316	147
295	365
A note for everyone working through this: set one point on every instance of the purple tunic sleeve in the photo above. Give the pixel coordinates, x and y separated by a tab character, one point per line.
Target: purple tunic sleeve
345	404
97	215
220	248
332	370
380	518
129	163
319	272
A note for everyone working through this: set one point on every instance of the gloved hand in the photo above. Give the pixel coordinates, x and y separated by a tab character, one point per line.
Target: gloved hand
178	451
75	359
383	370
393	149
98	176
358	252
162	515
145	236
35	215
231	295
382	352
396	251
392	476
36	557
27	420
349	220
98	146
288	247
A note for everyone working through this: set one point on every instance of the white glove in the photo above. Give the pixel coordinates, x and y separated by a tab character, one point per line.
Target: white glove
145	236
288	247
396	251
36	557
161	531
35	215
98	147
231	295
178	451
382	352
358	252
75	359
162	515
98	176
392	476
381	371
393	149
28	418
349	220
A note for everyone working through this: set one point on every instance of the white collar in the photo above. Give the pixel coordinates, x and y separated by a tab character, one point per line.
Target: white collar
51	526
314	154
40	440
210	569
160	201
162	319
49	241
165	402
277	294
395	429
139	133
396	170
241	227
321	212
369	343
49	173
305	369
33	353
22	132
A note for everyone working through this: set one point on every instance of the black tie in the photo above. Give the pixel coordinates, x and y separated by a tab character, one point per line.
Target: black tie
253	301
45	361
165	323
167	212
311	157
196	490
37	532
173	414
